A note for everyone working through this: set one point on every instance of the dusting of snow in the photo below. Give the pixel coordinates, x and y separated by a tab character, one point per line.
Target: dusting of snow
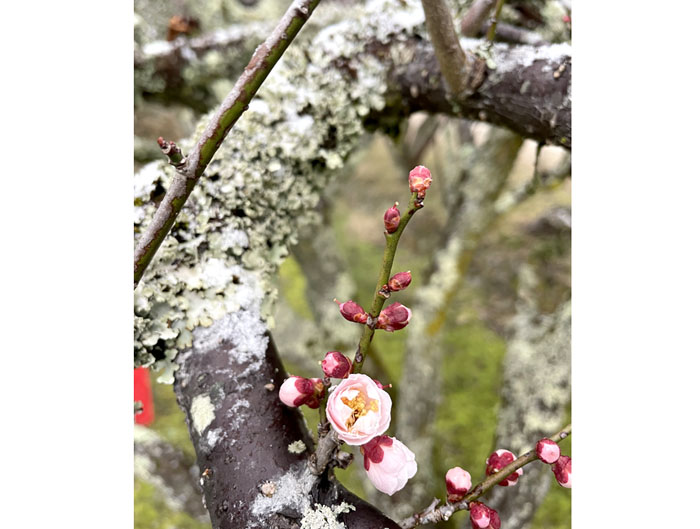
292	492
324	517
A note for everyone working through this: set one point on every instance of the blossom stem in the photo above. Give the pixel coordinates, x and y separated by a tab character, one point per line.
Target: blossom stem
392	242
435	514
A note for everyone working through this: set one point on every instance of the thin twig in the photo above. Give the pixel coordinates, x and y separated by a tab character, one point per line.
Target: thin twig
476	15
444	512
392	242
236	102
462	73
494	22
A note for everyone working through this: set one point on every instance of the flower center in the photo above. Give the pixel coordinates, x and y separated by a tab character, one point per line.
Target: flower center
359	408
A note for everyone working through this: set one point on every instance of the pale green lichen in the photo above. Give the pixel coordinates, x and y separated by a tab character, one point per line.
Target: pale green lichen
264	183
297	447
202	412
324	517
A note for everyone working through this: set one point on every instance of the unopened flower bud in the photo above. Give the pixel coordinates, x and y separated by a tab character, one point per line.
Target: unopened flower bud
495	520
548	451
392	218
389	463
336	365
479	514
562	471
399	281
352	311
296	391
458	482
380	385
394	317
419	180
314	401
498	461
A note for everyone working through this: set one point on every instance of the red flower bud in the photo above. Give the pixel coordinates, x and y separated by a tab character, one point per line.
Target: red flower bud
296	391
336	365
394	317
548	451
495	522
353	312
498	461
392	218
399	281
480	515
458	482
419	180
562	471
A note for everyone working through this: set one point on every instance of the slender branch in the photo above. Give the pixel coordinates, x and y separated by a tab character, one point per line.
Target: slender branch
236	102
444	512
494	22
476	15
462	73
392	242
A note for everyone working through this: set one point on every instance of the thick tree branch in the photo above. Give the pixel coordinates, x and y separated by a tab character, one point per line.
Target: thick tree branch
192	167
241	431
528	91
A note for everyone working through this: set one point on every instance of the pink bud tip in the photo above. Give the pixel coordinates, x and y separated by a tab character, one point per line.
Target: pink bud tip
336	365
458	482
548	451
399	281
479	514
296	391
497	461
352	311
392	218
394	317
419	179
562	471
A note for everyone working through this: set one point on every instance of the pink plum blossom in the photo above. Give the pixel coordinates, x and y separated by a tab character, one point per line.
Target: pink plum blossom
458	482
389	463
548	451
358	410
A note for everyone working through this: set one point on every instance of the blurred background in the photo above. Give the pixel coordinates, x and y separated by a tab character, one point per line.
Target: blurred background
485	362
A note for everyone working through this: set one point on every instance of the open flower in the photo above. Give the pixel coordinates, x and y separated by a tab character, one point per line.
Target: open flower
358	410
389	463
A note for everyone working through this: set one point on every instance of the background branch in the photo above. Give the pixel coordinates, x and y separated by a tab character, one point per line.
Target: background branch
261	64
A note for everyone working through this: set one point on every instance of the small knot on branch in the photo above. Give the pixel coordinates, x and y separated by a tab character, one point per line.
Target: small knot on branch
171	150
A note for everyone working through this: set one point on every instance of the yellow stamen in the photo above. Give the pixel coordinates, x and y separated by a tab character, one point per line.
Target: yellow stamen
359	408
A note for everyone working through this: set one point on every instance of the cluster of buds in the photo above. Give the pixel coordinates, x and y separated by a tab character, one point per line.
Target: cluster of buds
497	461
483	517
458	482
549	452
296	391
